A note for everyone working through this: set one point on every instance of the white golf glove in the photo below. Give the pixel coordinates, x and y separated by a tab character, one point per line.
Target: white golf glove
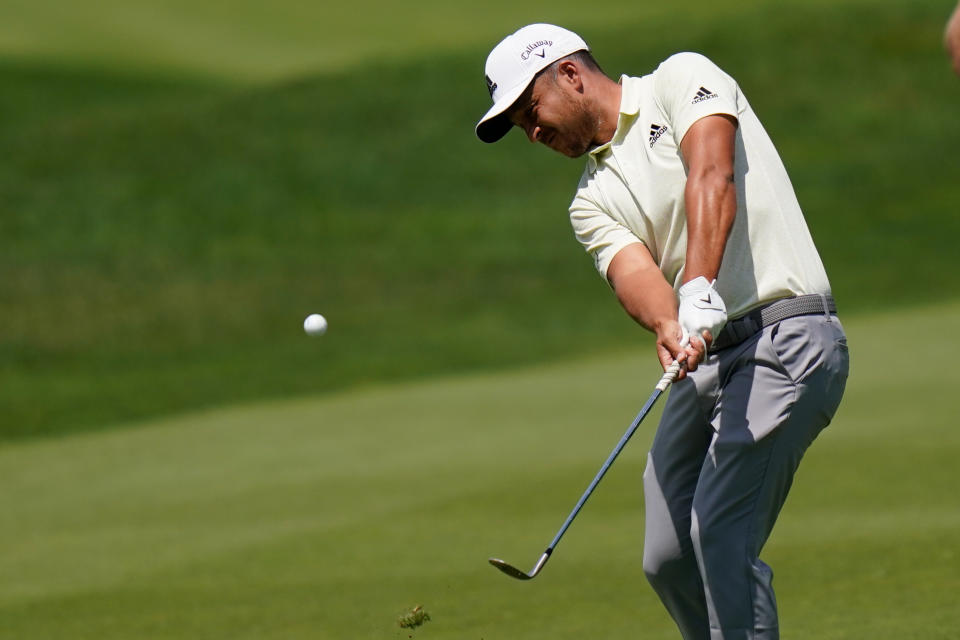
701	308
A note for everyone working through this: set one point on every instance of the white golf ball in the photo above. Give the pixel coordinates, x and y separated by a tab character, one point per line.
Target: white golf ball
315	325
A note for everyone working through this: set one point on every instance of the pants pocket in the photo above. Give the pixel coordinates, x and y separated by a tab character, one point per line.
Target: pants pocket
802	346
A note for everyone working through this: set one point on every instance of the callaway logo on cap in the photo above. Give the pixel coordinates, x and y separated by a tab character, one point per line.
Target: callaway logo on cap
512	65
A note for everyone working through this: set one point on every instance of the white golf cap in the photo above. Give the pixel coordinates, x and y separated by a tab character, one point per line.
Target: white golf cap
512	65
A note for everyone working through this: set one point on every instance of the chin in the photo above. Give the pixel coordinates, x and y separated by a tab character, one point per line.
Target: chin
573	153
569	148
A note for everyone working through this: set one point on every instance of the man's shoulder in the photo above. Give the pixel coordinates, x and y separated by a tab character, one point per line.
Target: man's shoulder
676	62
688	71
683	60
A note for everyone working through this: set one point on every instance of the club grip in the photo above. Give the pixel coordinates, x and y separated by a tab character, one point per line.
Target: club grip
670	375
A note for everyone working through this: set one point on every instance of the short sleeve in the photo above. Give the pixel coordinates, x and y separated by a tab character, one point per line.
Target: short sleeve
688	86
601	236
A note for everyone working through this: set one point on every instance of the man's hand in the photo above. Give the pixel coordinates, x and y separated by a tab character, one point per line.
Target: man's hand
673	344
702	310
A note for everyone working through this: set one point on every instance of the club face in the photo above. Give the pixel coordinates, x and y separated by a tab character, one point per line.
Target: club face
510	570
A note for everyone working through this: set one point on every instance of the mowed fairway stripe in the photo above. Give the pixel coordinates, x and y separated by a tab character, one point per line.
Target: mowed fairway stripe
256	42
327	518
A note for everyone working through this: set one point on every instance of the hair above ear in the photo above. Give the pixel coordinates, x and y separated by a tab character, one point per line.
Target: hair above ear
581	58
586	59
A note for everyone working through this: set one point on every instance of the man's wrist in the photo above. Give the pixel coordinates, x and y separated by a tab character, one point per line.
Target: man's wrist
697	286
663	325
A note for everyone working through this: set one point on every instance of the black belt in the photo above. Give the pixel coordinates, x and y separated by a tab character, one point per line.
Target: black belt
739	329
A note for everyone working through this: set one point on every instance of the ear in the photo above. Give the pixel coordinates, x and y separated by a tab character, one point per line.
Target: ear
568	74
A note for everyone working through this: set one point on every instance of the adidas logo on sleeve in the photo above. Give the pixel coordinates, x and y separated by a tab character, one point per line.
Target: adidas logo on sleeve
703	94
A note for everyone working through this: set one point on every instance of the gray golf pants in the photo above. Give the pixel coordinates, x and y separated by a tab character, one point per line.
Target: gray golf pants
721	464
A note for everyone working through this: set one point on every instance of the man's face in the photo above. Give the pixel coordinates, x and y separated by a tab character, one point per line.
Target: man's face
555	113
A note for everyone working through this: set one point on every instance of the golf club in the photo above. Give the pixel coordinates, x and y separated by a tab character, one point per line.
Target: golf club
668	378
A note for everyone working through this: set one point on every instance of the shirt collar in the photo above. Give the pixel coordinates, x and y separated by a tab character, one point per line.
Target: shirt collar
629	108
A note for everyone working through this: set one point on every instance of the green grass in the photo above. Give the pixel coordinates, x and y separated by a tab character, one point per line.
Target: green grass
183	182
248	41
330	517
165	230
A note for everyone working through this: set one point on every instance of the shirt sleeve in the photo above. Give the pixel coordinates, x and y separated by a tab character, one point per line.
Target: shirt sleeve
601	236
688	87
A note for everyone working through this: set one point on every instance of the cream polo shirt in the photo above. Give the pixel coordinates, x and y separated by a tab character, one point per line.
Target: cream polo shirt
632	189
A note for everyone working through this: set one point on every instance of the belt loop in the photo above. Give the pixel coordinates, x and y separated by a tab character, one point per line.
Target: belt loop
826	306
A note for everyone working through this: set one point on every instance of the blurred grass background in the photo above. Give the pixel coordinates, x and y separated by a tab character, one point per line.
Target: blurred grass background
182	183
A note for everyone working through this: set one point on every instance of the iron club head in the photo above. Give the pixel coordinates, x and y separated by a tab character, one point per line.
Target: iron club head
513	572
510	570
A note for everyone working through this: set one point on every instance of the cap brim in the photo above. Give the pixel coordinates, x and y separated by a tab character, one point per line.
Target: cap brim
495	124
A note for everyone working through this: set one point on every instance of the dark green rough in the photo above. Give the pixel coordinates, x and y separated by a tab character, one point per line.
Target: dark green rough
162	241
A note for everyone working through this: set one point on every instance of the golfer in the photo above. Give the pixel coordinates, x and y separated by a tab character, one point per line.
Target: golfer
688	213
951	39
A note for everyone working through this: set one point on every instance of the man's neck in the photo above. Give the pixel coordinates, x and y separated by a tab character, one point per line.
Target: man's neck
609	94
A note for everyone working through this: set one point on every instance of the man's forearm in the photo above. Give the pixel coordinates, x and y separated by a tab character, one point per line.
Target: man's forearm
710	197
641	288
650	300
711	203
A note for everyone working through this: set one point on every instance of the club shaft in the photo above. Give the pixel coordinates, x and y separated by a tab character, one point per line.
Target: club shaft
606	466
669	376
